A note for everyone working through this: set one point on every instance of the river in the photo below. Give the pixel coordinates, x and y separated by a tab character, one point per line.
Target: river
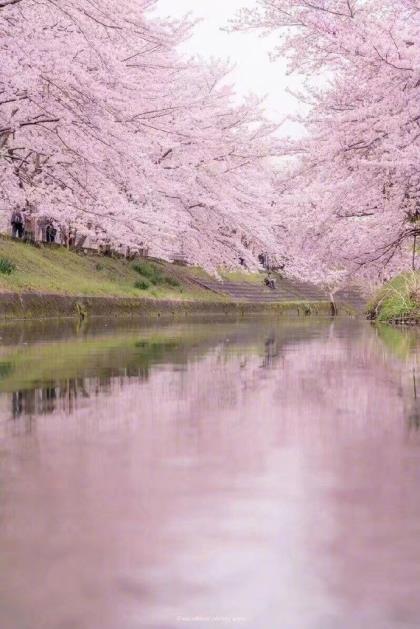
256	474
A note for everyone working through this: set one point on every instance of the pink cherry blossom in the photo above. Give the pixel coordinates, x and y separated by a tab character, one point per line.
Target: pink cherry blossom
105	128
349	197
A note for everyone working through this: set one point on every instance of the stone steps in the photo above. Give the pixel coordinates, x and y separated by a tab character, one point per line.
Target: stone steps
285	291
353	297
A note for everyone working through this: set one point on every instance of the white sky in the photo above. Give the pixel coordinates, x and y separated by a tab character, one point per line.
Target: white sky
254	72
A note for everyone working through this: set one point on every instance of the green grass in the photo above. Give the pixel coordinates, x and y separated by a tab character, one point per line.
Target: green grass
6	267
58	270
149	270
172	281
153	274
398	299
193	271
241	276
142	284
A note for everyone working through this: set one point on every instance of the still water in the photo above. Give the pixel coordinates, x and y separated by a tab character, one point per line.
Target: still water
260	474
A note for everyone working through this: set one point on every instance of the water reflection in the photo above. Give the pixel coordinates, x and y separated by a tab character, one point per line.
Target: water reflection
404	343
110	361
44	400
261	472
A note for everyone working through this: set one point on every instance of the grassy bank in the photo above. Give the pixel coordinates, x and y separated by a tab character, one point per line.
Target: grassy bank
398	300
56	270
51	281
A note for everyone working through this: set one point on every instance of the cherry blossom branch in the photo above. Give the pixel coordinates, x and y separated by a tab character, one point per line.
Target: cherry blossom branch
5	3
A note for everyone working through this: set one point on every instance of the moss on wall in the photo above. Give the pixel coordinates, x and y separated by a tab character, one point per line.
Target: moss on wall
43	305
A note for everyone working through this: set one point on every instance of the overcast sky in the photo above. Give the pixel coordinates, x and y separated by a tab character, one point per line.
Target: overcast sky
254	72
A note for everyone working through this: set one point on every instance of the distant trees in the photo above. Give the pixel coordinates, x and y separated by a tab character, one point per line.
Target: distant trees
350	196
104	127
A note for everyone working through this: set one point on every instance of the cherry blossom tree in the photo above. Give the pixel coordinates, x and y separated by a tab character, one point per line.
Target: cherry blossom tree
349	193
104	128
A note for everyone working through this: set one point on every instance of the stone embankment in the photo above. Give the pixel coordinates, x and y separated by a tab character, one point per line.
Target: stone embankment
40	305
289	299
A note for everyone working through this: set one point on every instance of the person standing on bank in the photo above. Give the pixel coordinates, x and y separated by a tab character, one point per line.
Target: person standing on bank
17	223
50	233
29	224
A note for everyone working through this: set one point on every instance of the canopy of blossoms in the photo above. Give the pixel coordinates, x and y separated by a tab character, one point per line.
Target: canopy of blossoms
107	130
349	196
104	128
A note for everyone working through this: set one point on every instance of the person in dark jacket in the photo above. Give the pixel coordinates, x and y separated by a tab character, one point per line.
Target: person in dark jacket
17	223
50	233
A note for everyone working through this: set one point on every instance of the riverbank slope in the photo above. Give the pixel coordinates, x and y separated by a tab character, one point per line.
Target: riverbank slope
57	270
51	281
398	301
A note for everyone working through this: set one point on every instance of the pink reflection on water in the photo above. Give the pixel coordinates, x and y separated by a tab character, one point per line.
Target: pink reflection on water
271	479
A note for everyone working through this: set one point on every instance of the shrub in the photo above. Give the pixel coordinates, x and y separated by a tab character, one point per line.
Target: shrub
6	267
151	274
142	284
5	369
172	281
398	299
148	270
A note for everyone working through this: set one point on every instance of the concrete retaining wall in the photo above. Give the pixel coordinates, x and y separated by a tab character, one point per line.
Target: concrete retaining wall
39	306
